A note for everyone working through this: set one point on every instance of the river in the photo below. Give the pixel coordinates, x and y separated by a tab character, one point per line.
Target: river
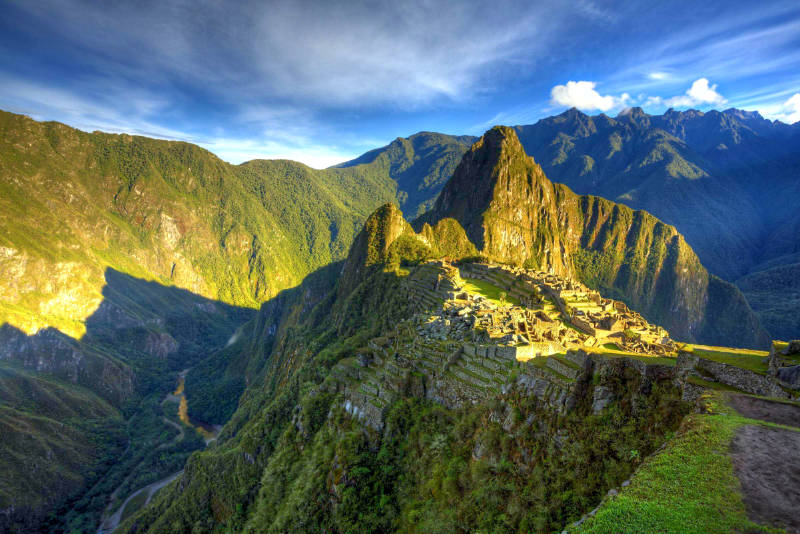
143	496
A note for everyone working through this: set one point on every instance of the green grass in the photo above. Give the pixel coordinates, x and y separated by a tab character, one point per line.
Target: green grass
716	386
616	353
780	346
541	363
689	487
490	291
752	360
565	361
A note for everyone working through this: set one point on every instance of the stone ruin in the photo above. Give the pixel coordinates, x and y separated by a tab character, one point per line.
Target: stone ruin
470	347
784	363
556	313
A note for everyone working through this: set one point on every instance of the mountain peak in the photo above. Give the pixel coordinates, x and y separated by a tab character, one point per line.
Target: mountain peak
498	139
635	111
371	245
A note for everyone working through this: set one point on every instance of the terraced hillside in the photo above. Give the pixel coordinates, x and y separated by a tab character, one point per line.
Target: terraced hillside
388	402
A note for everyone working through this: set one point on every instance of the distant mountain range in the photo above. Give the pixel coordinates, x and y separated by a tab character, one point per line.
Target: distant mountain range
124	260
728	181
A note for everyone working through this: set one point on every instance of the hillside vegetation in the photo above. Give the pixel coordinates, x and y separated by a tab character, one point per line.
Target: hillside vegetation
124	260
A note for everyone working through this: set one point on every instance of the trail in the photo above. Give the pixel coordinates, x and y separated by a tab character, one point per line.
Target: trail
110	521
767	462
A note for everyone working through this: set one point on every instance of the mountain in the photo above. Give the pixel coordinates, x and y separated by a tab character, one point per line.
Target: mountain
313	327
420	164
380	401
513	213
296	456
125	260
726	180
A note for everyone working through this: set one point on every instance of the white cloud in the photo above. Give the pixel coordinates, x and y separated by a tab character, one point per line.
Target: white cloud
790	110
658	75
701	93
582	95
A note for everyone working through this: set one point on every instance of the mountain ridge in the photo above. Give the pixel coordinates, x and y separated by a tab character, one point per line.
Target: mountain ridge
513	213
724	179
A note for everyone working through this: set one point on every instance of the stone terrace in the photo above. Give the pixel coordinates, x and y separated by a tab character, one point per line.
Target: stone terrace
470	347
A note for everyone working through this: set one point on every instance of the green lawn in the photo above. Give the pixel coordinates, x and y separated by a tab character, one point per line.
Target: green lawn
689	487
717	386
490	291
752	360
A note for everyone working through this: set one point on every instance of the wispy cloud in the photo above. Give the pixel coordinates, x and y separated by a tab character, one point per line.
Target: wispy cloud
333	54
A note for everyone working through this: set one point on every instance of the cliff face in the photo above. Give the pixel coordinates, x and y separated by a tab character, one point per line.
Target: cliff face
514	214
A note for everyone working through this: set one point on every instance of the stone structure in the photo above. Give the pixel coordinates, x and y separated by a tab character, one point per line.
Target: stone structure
550	305
784	363
743	379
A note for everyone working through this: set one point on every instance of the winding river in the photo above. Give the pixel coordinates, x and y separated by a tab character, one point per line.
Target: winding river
111	521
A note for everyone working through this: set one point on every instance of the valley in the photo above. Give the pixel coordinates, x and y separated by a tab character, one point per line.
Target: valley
513	358
239	295
175	402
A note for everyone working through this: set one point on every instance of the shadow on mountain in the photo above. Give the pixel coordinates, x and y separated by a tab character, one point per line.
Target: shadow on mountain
60	396
140	333
213	387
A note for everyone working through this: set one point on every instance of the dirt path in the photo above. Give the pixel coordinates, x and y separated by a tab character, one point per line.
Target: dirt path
767	462
764	410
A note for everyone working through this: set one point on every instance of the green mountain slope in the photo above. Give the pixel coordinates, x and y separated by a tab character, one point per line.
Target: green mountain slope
420	164
726	180
362	415
294	459
513	213
125	260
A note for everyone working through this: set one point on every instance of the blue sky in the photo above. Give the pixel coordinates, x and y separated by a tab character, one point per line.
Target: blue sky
324	82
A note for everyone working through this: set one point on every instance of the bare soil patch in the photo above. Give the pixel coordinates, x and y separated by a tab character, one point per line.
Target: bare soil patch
764	410
767	462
